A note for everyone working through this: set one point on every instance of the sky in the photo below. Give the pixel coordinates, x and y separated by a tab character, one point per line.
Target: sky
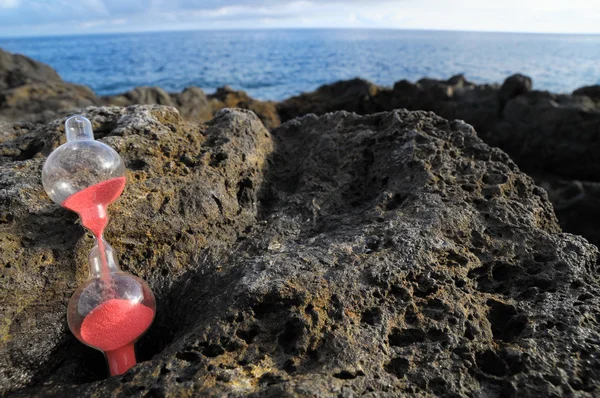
73	17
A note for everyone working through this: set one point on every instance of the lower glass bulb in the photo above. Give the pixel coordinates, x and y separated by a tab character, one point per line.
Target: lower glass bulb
111	310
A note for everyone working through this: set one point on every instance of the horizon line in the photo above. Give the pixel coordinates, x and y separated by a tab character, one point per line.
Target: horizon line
114	33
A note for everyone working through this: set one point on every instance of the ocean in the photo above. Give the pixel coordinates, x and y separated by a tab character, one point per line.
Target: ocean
276	64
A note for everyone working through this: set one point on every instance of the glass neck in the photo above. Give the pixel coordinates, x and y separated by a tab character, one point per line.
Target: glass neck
102	259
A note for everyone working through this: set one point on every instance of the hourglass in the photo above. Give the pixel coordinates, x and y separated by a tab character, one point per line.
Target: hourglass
112	308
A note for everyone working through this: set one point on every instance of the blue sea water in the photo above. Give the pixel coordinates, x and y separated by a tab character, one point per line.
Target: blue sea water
276	64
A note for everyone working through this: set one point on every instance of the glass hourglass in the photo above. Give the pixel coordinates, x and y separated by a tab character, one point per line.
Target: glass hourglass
112	308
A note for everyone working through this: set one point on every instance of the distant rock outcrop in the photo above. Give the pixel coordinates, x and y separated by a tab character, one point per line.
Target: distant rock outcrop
592	92
354	95
393	254
32	91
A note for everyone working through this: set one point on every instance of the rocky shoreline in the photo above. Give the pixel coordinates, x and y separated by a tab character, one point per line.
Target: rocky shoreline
328	245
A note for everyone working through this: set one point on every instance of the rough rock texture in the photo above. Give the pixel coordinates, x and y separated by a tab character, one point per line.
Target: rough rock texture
394	254
192	190
548	135
543	132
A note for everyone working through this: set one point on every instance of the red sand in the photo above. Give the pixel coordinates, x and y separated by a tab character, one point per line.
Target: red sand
91	203
112	327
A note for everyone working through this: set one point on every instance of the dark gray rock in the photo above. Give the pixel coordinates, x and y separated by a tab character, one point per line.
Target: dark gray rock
544	133
355	95
589	91
576	204
514	86
394	254
193	105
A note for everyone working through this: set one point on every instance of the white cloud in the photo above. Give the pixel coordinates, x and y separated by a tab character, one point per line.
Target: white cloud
9	3
35	17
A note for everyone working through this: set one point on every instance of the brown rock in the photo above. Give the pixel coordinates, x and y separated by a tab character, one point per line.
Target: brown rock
141	96
191	192
32	91
18	70
226	97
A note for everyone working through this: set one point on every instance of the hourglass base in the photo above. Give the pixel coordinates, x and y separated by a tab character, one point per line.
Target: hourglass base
113	327
121	359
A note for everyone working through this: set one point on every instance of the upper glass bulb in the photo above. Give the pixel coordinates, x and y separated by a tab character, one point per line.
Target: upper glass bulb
79	163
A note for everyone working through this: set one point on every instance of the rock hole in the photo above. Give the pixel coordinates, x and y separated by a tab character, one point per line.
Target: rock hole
507	325
244	195
348	375
396	201
292	333
289	366
270	379
213	350
371	316
218	158
503	272
31	150
136	164
248	335
188	356
437	335
219	204
398	367
491	363
155	392
404	338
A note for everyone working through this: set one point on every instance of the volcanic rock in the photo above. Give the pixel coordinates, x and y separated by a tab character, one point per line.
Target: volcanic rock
393	254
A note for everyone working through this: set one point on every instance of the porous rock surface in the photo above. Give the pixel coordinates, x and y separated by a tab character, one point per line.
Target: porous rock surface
393	254
550	136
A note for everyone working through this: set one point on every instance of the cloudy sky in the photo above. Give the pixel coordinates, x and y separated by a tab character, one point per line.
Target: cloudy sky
58	17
